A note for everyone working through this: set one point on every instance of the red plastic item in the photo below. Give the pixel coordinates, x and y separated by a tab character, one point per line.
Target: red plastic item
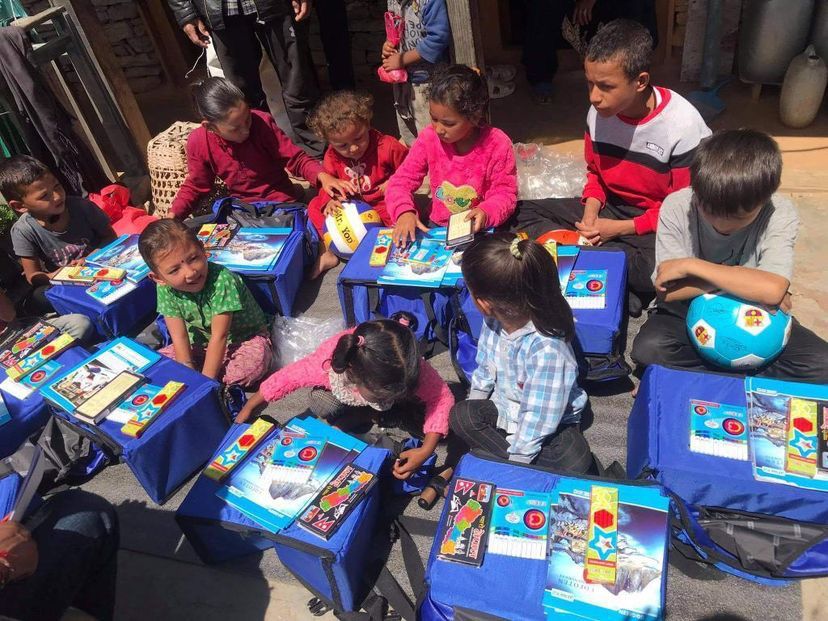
393	33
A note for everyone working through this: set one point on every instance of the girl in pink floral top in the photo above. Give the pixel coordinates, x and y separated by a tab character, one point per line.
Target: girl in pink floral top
470	165
375	365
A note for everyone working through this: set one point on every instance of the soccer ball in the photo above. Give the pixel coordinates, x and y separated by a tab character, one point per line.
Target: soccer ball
736	334
345	229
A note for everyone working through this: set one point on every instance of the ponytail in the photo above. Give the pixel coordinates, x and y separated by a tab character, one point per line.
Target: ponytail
518	277
213	98
381	356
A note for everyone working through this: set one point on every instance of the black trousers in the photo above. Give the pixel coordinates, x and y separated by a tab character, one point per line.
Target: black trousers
239	49
474	425
539	216
663	340
542	38
336	42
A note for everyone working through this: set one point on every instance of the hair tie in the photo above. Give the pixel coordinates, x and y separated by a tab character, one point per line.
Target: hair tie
514	248
360	341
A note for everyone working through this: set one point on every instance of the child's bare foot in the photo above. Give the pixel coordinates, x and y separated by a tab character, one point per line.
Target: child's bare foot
327	260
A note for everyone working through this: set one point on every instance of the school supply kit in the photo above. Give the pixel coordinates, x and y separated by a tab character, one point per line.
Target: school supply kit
744	461
303	488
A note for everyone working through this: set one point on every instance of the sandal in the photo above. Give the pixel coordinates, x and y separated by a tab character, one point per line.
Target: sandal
499	90
501	73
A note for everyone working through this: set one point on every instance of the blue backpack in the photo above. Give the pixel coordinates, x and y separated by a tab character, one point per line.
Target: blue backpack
761	531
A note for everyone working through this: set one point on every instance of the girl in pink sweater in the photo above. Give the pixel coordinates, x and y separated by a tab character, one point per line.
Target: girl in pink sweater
470	165
369	369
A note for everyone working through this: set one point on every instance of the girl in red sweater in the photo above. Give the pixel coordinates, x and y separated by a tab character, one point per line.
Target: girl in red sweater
357	155
245	149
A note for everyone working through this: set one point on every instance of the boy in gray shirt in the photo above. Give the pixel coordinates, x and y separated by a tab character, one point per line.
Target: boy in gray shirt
729	232
53	230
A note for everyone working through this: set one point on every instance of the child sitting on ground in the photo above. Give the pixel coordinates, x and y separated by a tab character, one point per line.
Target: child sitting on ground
729	231
212	318
53	230
357	154
470	164
525	404
364	373
245	149
639	143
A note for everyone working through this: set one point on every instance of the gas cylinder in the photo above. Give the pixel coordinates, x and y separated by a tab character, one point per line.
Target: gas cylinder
803	89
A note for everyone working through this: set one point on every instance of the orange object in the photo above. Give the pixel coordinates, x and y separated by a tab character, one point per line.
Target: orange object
563	237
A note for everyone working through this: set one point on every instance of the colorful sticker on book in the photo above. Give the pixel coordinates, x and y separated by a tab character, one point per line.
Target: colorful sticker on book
151	408
382	247
801	447
602	536
718	429
225	461
40	357
467	523
519	524
29	341
328	510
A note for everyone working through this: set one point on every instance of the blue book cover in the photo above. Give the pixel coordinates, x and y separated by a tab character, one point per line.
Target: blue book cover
587	289
312	426
122	253
252	249
274	485
718	429
638	590
772	438
4	412
422	263
82	381
107	291
519	524
565	257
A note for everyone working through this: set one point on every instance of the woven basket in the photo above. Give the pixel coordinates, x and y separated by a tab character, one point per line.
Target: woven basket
167	161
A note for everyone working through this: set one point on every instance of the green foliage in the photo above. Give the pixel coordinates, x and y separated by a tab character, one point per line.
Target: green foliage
7	218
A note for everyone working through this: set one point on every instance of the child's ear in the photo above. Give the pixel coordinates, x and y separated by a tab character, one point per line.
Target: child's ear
156	279
484	306
18	206
642	81
208	126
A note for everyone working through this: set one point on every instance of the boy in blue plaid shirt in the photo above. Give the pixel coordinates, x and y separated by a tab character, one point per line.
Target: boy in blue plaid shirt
525	404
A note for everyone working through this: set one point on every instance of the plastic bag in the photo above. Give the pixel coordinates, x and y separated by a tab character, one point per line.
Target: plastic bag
393	33
542	173
295	338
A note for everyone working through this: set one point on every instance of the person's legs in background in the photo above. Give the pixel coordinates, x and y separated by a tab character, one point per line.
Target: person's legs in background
541	39
804	359
287	45
536	217
77	325
240	53
77	561
663	340
248	362
336	41
404	106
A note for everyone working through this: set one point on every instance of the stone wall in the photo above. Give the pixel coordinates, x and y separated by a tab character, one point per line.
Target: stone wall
128	36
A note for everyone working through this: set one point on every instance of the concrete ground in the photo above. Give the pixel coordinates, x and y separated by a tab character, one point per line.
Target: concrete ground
160	577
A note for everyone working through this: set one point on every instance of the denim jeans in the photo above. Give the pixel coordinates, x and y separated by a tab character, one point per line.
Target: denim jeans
77	544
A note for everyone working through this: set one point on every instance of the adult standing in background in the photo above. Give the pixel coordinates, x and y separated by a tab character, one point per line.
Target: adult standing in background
239	29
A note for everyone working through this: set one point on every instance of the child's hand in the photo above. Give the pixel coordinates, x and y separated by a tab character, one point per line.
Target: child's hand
388	49
479	217
605	229
671	271
337	188
331	208
409	462
381	187
77	262
245	413
405	229
393	62
301	9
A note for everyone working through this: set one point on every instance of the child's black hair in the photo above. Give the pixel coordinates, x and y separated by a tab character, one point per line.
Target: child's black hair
336	111
520	281
160	236
213	98
17	173
626	41
735	171
381	356
462	89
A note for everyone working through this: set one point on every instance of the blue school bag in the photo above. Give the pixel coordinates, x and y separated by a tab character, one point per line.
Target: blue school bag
764	532
274	290
363	299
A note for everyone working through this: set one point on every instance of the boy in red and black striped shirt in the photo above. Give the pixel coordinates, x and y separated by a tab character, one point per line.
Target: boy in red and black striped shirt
639	143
